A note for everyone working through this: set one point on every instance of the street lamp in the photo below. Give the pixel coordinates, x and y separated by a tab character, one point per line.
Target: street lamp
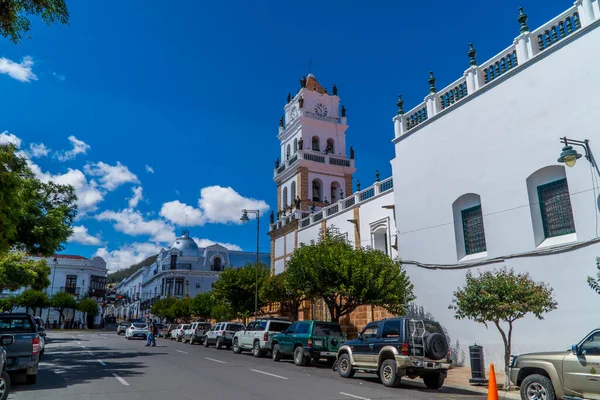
52	289
245	219
569	155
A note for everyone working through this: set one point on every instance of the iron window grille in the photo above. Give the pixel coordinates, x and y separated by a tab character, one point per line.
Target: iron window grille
474	234
555	207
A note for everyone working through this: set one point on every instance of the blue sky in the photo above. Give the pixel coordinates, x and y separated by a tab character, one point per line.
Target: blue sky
180	103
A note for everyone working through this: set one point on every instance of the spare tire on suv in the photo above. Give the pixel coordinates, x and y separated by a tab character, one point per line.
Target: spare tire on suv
436	346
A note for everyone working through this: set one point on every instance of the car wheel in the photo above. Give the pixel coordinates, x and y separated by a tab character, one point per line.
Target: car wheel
31	379
275	354
256	351
218	345
389	374
205	342
4	385
236	346
536	387
434	380
345	367
299	358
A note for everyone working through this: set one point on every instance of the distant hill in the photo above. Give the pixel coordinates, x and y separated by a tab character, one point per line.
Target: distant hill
118	276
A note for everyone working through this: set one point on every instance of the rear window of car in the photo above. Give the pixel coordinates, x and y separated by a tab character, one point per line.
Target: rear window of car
124	324
433	327
204	326
321	329
186	327
278	326
234	327
16	325
140	326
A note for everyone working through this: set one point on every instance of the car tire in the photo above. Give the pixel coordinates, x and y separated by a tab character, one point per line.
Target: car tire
205	342
537	384
345	367
236	346
436	346
434	380
31	379
218	345
275	353
299	358
4	385
389	373
256	350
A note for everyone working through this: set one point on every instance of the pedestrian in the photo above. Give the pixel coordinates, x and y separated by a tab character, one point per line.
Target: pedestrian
151	339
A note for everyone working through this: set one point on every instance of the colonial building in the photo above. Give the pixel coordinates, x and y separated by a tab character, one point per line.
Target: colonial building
314	189
480	159
184	269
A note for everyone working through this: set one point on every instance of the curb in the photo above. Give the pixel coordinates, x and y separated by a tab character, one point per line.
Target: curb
503	394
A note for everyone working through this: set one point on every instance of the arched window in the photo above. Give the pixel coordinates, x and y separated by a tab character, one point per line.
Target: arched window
284	198
288	152
468	226
295	145
292	192
315	143
330	148
217	264
550	206
335	191
317	187
380	239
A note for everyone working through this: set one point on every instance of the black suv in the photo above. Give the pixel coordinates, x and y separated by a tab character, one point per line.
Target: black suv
397	347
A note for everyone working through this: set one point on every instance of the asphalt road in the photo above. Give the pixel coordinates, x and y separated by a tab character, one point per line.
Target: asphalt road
106	366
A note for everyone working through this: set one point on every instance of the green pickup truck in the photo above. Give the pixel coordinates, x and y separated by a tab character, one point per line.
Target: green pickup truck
308	340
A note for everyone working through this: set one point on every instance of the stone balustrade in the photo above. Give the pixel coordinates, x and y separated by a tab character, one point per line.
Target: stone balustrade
313	155
528	45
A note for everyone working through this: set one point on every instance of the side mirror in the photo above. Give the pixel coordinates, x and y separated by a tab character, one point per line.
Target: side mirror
6	340
575	349
359	336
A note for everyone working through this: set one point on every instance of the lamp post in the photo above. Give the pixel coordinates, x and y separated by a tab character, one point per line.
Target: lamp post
52	288
569	155
245	219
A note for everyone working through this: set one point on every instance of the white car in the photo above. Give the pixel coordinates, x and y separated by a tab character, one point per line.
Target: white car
137	329
177	333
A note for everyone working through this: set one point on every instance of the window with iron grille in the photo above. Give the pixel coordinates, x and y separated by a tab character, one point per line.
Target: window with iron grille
474	234
555	206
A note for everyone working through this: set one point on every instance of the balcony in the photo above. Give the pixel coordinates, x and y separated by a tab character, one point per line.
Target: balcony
97	292
73	290
314	156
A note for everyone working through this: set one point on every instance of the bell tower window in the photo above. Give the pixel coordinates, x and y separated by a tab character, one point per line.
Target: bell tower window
315	143
173	261
316	190
217	264
284	198
329	148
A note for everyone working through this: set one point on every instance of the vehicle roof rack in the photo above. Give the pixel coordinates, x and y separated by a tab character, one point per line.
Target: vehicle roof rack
271	317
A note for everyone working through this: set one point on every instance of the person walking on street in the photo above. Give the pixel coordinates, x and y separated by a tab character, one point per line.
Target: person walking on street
151	339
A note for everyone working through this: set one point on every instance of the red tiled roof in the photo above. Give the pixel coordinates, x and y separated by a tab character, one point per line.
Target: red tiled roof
313	85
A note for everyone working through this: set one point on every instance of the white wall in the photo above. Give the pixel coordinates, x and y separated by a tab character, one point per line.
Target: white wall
489	144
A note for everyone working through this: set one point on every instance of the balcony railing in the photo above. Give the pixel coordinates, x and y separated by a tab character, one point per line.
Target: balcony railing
73	290
315	156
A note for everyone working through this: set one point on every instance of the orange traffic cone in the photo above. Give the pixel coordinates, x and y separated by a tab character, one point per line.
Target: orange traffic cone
492	386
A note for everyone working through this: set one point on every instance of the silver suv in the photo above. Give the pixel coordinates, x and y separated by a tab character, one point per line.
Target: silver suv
257	336
222	334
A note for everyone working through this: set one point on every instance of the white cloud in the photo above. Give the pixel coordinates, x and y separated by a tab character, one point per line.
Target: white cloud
79	147
111	177
137	196
132	223
38	150
181	214
80	235
149	169
127	255
217	204
20	71
207	242
6	138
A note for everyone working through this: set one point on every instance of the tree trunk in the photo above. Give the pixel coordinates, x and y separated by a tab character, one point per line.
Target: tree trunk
506	352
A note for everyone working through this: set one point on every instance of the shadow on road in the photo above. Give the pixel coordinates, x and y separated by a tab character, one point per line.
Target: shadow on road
417	385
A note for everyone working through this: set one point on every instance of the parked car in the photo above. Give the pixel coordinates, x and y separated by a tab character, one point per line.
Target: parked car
572	374
397	347
137	329
222	334
258	335
167	329
197	332
5	340
122	327
177	333
39	323
308	340
23	354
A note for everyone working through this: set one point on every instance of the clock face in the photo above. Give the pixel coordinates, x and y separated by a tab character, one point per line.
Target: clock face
293	113
320	110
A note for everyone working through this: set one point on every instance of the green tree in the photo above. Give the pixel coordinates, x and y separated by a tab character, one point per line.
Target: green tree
90	308
331	269
17	271
164	308
202	305
62	301
33	299
182	309
8	304
277	289
221	311
14	14
236	287
502	297
595	282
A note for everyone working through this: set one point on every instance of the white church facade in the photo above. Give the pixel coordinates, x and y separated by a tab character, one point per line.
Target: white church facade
480	158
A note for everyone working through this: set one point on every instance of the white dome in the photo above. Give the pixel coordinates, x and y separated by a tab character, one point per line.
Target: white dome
186	245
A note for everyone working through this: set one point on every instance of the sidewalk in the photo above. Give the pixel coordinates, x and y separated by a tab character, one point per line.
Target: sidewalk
459	378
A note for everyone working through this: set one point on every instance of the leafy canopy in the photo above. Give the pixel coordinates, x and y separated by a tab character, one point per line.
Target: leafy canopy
88	306
33	299
236	288
17	271
595	282
202	305
344	277
62	301
13	15
277	289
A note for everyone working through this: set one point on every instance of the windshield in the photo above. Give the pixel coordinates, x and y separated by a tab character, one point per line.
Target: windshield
185	327
321	329
140	326
234	327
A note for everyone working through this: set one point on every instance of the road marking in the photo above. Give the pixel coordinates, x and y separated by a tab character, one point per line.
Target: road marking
219	361
353	396
266	373
83	346
123	381
102	363
184	352
90	353
79	343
